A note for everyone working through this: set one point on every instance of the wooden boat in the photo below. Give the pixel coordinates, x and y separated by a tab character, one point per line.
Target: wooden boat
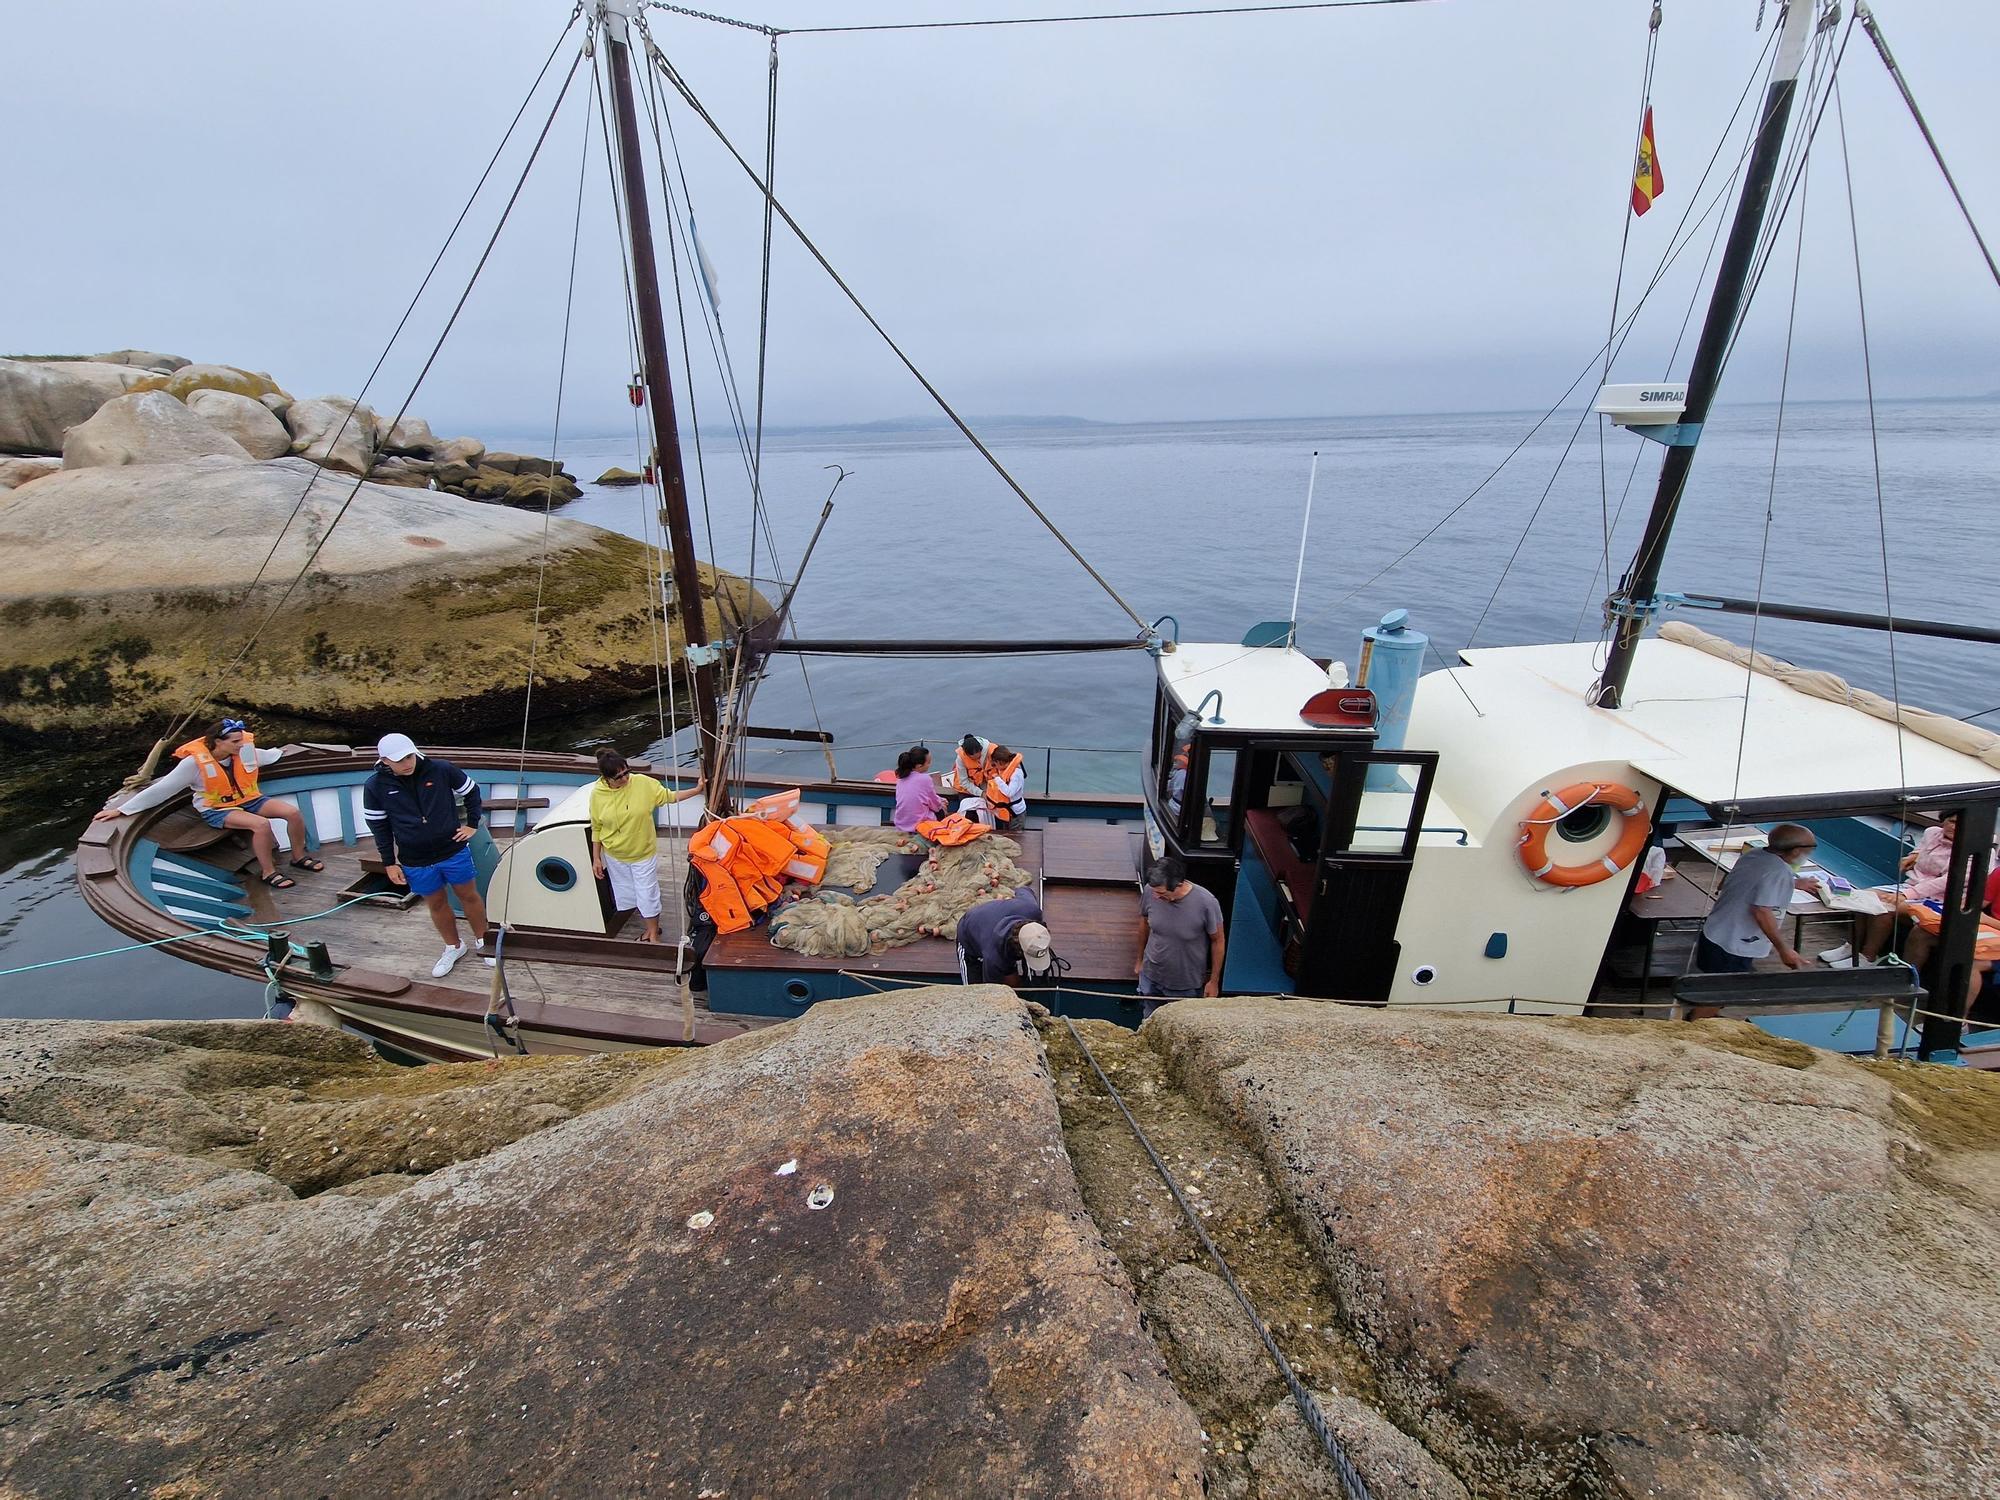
1469	836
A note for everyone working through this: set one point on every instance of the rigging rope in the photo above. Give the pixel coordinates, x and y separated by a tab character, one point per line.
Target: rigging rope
680	86
750	448
1795	158
1770	509
327	534
1315	1419
1869	24
1683	235
1626	216
555	466
1874	440
1759	70
205	693
1128	15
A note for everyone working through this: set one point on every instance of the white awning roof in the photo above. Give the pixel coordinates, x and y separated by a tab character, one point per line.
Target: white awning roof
1685	724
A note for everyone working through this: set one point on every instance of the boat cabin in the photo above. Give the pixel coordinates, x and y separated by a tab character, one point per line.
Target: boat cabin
1273	786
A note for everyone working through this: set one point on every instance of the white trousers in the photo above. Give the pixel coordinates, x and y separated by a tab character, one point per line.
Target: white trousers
636	884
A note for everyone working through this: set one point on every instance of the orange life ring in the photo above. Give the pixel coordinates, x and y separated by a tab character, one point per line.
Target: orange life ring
1557	805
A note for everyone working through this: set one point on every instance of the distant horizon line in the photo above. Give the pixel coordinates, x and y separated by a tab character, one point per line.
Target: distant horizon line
918	422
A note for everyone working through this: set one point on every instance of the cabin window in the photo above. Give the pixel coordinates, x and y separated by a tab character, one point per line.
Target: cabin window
1217	805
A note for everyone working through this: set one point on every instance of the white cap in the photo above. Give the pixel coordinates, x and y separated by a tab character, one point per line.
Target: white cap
1034	938
395	747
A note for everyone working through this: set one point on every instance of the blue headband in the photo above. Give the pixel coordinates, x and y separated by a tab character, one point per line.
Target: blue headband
233	726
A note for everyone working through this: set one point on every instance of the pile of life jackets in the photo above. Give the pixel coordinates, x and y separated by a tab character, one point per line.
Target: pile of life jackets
745	861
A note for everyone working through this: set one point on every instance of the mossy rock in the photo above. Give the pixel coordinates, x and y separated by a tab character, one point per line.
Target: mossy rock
185	381
132	587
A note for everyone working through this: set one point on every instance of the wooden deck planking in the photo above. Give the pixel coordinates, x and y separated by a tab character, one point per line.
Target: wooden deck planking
390	941
1094	924
1091	853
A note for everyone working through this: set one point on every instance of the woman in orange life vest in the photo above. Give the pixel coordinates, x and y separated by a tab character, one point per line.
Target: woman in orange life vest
220	770
997	782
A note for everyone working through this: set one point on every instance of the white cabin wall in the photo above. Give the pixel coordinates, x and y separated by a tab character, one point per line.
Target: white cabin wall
1493	770
516	895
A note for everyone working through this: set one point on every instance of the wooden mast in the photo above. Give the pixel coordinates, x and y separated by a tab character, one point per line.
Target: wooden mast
1632	605
614	17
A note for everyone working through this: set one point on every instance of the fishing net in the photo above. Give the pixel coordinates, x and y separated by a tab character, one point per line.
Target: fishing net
857	855
831	923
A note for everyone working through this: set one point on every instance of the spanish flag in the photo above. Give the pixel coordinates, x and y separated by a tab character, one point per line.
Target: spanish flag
1647	183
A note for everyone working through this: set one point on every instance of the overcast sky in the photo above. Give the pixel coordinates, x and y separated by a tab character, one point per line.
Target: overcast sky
1405	208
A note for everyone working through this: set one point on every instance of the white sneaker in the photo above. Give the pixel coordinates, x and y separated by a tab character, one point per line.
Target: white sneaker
1839	958
448	960
479	947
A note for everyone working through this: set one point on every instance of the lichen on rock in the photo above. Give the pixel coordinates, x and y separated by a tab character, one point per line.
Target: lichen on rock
636	1299
127	587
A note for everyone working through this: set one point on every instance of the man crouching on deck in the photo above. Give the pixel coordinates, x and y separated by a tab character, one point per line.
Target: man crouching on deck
423	812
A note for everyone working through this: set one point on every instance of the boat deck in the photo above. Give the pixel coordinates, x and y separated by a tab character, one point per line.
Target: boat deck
1086	877
1086	874
391	940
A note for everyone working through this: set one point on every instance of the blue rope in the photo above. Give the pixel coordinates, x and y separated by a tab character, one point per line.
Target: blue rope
240	928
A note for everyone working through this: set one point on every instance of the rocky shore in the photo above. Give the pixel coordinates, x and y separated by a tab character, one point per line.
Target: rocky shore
904	1246
140	497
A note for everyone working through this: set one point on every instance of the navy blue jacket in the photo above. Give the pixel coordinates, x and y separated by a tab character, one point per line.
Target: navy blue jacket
413	817
985	930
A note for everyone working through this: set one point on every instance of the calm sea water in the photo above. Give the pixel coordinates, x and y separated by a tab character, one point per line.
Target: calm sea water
1200	521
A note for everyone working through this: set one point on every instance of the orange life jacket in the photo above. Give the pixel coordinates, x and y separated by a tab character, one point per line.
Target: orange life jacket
956	829
1004	807
972	774
742	862
217	790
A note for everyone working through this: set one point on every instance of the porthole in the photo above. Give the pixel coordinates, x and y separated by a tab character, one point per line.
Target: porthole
1582	824
798	992
1424	974
556	874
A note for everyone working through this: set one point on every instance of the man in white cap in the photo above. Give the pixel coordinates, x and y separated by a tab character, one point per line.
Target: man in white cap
423	813
1004	942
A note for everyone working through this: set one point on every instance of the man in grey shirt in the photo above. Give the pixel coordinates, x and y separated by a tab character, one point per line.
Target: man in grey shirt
1757	891
1180	935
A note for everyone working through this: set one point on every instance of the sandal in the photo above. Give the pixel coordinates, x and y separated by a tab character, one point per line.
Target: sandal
278	882
308	863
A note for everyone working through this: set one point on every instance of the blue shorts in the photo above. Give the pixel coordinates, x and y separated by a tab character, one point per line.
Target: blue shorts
217	817
427	880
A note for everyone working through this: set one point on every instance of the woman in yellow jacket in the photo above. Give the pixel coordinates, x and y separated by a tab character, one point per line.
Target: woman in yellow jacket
624	839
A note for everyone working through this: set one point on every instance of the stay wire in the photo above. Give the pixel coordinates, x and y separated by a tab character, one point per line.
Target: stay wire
654	108
752	449
1770	501
555	452
1626	216
1759	71
666	707
312	557
1797	156
1874	436
1351	1481
1869	24
206	692
1128	15
681	86
1682	237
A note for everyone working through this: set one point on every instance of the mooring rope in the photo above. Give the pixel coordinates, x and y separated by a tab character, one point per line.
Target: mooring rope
1350	1480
